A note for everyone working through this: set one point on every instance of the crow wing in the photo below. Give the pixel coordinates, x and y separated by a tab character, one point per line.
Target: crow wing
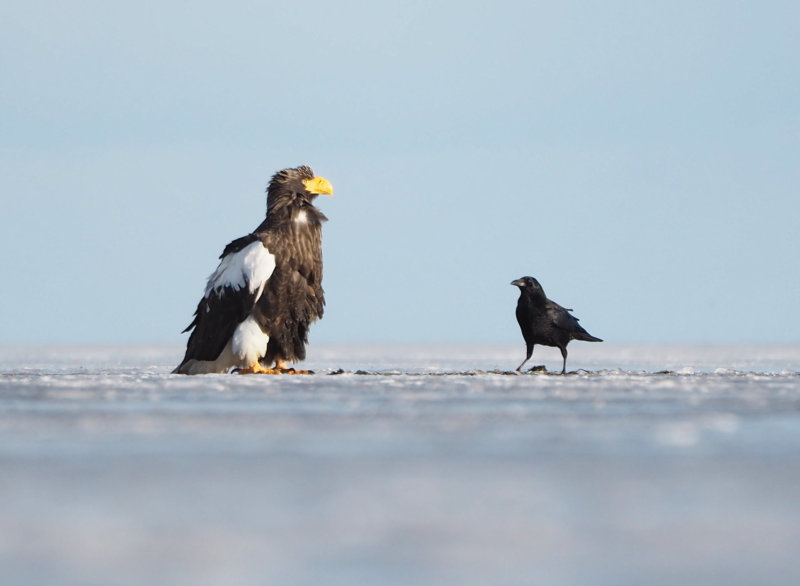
561	317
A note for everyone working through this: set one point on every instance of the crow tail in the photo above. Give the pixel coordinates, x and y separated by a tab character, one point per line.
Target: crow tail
585	336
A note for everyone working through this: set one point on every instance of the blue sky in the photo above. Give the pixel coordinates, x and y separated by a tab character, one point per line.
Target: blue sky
641	159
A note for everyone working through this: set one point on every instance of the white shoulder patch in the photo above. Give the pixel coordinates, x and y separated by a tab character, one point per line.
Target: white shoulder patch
251	267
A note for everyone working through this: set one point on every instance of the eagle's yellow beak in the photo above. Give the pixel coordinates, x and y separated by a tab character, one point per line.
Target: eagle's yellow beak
318	185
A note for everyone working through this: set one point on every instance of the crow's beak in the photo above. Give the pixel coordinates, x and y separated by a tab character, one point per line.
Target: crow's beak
517	282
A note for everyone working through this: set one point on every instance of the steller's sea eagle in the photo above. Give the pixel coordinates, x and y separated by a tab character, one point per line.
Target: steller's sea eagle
267	290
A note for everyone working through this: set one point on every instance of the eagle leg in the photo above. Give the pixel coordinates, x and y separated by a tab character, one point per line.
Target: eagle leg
283	368
293	371
272	371
280	368
257	369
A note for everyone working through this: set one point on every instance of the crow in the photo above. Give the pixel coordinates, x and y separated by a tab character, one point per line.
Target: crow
545	322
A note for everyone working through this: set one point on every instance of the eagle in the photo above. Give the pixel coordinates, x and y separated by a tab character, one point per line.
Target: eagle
258	304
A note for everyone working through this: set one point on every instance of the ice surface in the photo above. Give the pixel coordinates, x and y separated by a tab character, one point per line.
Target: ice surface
650	465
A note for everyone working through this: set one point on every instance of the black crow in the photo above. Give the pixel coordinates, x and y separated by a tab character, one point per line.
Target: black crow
545	322
267	290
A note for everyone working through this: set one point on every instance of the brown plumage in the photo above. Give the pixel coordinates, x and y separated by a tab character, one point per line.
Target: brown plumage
267	290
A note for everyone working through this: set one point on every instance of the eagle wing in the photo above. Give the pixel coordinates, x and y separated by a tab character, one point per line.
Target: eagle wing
231	294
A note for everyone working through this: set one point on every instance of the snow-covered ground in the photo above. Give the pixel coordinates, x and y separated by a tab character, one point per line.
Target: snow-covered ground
649	465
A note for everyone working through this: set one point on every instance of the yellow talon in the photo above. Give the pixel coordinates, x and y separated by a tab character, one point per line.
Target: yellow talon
279	369
256	369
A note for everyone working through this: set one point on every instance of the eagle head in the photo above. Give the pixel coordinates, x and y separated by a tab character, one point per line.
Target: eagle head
290	189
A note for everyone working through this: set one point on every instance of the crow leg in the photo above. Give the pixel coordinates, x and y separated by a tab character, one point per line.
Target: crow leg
564	356
527	356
